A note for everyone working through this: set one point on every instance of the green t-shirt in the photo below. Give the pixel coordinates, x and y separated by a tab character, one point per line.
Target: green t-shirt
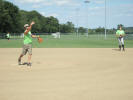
8	35
27	38
120	32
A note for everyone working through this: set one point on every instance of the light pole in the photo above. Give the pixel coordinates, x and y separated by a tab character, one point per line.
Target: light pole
77	15
105	21
87	2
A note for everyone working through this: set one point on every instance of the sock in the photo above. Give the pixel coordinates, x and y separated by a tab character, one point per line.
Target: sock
123	47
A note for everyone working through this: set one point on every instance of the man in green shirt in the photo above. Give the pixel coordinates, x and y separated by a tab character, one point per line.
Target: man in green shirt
8	36
27	47
120	35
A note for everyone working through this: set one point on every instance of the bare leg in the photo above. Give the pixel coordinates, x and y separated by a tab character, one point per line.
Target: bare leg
19	59
29	60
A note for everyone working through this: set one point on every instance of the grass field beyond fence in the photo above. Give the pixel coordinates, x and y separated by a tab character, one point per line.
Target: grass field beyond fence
69	41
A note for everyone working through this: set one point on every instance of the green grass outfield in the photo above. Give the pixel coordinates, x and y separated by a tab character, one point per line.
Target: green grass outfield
69	41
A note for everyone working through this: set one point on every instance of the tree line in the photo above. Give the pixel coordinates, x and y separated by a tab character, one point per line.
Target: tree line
12	20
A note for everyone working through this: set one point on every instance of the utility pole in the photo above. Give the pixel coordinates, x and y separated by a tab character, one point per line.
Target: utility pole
87	2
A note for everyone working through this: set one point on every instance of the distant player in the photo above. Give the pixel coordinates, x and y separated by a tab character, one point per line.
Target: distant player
27	47
8	36
120	35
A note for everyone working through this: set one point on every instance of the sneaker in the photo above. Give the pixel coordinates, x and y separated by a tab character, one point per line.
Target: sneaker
25	63
29	64
19	61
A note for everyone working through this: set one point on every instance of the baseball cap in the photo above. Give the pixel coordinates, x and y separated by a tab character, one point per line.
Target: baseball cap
26	25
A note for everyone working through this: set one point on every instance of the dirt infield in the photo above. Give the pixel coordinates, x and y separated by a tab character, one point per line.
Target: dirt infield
67	74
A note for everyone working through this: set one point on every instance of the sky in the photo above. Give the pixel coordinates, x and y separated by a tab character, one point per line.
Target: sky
90	15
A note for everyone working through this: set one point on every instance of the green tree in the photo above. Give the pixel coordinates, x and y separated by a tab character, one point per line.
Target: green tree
43	24
82	30
70	27
100	29
27	17
67	28
9	17
52	25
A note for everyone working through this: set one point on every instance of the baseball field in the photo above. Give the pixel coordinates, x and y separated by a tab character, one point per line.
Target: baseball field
67	69
67	74
77	50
